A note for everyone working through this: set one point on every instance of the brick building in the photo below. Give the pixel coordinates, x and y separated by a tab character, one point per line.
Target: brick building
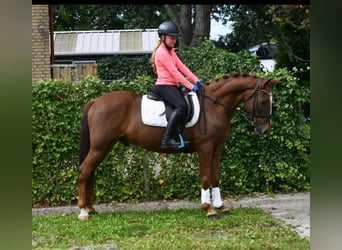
41	65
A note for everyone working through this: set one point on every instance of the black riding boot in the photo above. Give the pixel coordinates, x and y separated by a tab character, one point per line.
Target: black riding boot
168	141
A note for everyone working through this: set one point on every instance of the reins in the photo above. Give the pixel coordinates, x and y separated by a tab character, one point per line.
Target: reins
202	111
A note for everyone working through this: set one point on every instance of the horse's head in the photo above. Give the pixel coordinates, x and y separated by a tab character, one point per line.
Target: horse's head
259	105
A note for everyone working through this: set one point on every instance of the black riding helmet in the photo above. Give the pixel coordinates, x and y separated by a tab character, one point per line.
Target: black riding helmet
168	28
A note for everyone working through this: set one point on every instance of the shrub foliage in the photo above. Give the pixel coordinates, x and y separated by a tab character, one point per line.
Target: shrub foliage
275	162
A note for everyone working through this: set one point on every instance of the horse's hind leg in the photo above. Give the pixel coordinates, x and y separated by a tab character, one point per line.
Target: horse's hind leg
86	181
90	196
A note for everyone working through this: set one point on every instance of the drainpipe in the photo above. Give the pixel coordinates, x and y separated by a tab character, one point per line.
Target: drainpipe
52	47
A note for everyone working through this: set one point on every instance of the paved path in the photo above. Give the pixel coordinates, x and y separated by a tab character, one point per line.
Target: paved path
292	209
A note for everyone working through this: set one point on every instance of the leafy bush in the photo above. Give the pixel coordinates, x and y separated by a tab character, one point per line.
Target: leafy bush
208	62
123	67
278	161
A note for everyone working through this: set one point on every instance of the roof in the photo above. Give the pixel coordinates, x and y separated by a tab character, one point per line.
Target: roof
100	42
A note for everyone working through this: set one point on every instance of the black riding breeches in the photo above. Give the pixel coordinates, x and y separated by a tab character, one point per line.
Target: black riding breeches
172	95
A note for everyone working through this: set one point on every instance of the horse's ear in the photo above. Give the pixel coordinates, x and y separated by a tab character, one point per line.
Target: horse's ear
275	81
271	82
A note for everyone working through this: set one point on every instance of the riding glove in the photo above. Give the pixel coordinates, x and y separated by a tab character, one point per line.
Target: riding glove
199	84
195	88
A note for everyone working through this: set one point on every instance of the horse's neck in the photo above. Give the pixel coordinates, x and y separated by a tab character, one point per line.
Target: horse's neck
232	92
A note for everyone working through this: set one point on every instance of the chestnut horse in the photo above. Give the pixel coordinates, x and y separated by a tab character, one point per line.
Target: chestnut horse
116	116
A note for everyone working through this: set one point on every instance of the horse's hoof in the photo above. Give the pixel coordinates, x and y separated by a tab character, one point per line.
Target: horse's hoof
224	210
213	216
83	218
92	212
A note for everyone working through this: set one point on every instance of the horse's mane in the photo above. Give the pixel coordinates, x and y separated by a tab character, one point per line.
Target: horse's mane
232	75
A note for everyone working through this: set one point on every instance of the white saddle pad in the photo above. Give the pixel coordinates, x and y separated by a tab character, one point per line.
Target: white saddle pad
153	112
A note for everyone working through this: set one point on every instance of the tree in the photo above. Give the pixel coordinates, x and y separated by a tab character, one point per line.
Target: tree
287	25
251	25
293	42
108	17
293	34
193	32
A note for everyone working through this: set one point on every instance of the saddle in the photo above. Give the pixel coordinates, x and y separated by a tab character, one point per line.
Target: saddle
151	94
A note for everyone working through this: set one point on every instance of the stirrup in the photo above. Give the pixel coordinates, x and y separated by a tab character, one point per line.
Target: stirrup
182	142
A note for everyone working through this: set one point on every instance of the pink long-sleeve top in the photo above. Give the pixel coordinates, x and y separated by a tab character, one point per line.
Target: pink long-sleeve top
170	68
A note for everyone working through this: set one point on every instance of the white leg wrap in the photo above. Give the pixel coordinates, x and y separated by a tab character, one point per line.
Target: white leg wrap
205	196
217	201
84	214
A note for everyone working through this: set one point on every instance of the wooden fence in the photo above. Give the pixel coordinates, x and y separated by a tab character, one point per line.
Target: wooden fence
73	72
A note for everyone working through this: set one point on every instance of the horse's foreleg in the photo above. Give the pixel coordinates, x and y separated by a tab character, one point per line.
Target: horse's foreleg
215	180
216	194
204	157
217	200
206	204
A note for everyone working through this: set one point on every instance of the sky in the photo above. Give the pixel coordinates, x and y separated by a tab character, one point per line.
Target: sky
217	29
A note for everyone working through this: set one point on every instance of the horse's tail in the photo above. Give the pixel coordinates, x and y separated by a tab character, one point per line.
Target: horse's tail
84	133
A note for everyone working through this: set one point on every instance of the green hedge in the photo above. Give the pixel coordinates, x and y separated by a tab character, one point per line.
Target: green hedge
278	161
123	67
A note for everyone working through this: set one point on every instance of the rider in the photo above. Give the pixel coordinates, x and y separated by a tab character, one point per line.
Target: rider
169	68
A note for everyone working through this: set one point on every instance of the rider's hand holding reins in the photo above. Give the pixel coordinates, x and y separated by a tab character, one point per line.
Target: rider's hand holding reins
200	84
195	88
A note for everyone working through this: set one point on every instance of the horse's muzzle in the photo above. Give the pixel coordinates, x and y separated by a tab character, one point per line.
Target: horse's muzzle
262	128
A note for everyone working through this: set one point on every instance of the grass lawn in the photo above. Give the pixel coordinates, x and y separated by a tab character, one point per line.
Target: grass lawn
245	228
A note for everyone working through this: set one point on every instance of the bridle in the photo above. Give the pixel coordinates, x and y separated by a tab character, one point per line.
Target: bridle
254	95
256	100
